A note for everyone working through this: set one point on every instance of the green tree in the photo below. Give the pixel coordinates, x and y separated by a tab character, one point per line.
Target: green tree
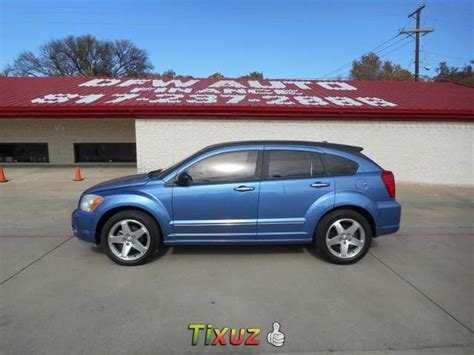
254	75
463	76
370	67
83	56
216	75
170	73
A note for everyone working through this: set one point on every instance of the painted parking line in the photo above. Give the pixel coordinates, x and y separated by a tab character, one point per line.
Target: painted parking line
36	236
441	234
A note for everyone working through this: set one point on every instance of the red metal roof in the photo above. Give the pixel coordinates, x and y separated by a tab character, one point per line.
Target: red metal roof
274	98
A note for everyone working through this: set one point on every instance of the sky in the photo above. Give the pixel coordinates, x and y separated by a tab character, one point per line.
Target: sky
281	38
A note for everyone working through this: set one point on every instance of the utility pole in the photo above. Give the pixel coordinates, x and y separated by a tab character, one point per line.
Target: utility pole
417	15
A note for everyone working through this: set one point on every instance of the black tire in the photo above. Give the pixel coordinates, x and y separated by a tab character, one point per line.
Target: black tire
322	230
145	219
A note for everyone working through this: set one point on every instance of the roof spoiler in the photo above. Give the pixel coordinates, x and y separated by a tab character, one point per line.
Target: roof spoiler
351	148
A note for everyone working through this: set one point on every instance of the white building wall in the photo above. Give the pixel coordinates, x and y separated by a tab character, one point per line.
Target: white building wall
61	134
439	153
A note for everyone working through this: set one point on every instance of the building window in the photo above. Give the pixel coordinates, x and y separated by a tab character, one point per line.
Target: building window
105	152
24	153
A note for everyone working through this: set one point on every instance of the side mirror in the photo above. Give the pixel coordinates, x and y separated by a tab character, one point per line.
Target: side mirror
184	179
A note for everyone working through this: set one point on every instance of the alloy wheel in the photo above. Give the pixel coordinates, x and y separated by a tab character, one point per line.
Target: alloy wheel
345	238
129	239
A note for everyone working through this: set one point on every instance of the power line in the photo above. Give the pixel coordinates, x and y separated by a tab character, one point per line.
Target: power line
372	50
393	44
394	50
349	63
410	33
443	55
403	45
343	67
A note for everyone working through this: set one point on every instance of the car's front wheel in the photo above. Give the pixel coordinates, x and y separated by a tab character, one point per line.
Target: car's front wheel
130	237
343	236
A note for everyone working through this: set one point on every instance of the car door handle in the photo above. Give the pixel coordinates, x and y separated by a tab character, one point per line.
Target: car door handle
319	184
244	188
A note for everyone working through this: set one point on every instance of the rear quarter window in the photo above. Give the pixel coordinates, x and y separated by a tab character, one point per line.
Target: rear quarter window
293	164
340	166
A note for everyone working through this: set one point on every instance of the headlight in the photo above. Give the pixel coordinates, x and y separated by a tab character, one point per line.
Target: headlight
90	202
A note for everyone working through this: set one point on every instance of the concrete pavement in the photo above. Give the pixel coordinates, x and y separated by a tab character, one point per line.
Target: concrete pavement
412	294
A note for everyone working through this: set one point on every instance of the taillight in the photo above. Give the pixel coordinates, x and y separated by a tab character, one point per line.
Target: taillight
389	181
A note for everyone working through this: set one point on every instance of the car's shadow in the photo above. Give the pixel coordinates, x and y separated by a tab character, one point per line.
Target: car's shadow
237	249
160	253
244	250
231	250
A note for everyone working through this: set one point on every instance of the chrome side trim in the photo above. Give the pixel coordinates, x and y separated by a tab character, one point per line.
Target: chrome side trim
266	221
238	241
214	222
213	235
280	233
237	222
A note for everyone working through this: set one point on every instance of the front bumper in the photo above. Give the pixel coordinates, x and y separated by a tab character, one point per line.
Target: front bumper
84	225
388	219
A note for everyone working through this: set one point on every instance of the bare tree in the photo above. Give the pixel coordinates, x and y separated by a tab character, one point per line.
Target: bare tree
83	56
7	71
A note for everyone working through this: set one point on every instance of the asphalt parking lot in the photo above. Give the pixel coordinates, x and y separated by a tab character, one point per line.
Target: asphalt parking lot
414	292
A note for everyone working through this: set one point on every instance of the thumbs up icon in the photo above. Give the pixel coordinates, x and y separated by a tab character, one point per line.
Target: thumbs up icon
275	337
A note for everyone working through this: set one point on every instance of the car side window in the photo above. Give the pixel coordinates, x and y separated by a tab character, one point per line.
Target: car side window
287	164
225	167
340	166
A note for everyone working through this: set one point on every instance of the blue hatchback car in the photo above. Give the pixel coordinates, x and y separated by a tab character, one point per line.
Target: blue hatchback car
253	192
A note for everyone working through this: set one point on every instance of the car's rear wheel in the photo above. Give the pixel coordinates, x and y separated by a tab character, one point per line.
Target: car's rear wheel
130	237
344	237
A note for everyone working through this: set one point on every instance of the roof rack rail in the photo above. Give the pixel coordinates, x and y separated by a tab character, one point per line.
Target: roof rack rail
324	144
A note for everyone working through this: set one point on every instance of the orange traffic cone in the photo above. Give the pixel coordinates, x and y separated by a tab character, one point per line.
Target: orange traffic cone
78	176
2	175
